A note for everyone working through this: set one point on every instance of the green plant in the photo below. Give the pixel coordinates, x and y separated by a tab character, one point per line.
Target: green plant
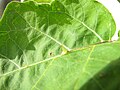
41	1
64	45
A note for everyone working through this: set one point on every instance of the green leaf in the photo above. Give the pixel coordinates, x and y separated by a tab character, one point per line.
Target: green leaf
39	45
72	71
119	35
40	1
52	26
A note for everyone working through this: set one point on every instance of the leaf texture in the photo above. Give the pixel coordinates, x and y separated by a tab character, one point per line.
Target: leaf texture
40	1
33	37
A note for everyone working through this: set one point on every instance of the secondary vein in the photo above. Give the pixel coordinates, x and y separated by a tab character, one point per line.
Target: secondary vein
28	66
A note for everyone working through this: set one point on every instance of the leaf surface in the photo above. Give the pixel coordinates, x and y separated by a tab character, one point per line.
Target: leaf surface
40	1
38	44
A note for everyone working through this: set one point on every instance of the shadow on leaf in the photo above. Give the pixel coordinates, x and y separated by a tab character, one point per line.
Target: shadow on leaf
106	79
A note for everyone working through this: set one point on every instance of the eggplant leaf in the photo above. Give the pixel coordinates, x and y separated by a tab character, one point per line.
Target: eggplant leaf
40	1
55	46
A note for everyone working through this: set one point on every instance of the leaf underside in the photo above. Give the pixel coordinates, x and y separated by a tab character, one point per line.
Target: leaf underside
33	38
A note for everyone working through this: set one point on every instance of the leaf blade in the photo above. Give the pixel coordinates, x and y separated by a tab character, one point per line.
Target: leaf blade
30	47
